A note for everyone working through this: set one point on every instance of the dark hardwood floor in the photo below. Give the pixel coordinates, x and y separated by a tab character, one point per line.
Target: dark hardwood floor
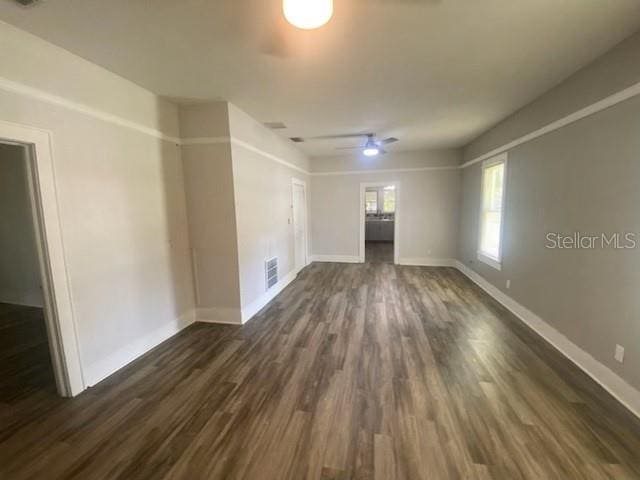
378	252
367	371
25	363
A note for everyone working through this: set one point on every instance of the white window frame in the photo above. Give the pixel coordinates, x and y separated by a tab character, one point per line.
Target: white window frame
381	200
377	201
484	257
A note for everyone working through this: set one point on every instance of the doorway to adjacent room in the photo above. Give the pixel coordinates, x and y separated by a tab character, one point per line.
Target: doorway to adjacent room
379	222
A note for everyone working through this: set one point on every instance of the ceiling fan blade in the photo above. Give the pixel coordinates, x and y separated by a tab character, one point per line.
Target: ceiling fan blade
349	148
388	141
346	135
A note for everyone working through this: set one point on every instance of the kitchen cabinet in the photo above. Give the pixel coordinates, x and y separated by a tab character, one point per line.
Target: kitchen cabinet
379	230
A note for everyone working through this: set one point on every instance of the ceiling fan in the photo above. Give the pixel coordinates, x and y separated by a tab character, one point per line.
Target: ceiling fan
371	148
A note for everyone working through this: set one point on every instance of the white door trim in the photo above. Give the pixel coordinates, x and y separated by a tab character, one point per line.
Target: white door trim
303	184
61	325
363	219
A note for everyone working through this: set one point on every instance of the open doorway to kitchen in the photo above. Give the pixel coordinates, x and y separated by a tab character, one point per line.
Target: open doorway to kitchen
379	221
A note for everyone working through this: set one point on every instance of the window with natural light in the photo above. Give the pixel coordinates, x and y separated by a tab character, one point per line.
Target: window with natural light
389	200
371	201
491	215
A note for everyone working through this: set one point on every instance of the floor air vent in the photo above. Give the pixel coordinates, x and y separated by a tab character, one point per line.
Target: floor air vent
271	272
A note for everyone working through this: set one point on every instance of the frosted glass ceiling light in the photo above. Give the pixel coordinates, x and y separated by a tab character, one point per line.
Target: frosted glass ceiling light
371	149
308	14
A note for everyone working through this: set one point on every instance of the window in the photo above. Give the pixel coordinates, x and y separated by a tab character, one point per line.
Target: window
389	200
492	212
371	201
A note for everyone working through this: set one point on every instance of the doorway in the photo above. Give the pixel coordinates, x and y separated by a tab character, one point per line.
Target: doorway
299	206
50	302
26	367
379	222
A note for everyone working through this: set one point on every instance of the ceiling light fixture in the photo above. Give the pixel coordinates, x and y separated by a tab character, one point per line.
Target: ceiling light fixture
371	149
308	14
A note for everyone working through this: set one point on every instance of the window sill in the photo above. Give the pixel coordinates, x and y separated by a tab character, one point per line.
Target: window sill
492	262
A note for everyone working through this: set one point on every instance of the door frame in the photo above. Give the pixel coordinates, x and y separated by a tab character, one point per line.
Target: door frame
298	182
363	218
58	307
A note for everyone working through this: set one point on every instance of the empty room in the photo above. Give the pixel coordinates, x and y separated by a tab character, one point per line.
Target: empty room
319	239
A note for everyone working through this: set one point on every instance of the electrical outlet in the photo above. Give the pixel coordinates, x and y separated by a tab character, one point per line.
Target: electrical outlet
619	355
508	284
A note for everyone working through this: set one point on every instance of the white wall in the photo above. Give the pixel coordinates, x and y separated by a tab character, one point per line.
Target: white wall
19	266
211	211
427	204
263	199
239	191
610	73
120	192
579	178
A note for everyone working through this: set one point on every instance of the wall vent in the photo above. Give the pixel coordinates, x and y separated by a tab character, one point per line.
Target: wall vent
271	272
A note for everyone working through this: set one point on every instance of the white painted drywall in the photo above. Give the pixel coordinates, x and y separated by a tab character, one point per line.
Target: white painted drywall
209	188
580	178
610	73
263	202
20	281
238	183
428	203
120	192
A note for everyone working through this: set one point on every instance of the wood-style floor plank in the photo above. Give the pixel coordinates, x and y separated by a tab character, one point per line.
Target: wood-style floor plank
370	371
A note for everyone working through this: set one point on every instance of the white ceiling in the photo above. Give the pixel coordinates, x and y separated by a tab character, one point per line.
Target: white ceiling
434	73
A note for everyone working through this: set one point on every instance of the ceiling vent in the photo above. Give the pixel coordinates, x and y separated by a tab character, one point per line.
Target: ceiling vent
275	125
27	3
297	139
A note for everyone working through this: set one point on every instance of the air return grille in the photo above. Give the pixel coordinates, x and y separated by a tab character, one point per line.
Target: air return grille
275	125
271	272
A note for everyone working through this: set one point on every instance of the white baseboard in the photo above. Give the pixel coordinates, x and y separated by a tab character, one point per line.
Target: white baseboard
28	299
427	262
98	371
336	258
603	375
224	315
254	307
